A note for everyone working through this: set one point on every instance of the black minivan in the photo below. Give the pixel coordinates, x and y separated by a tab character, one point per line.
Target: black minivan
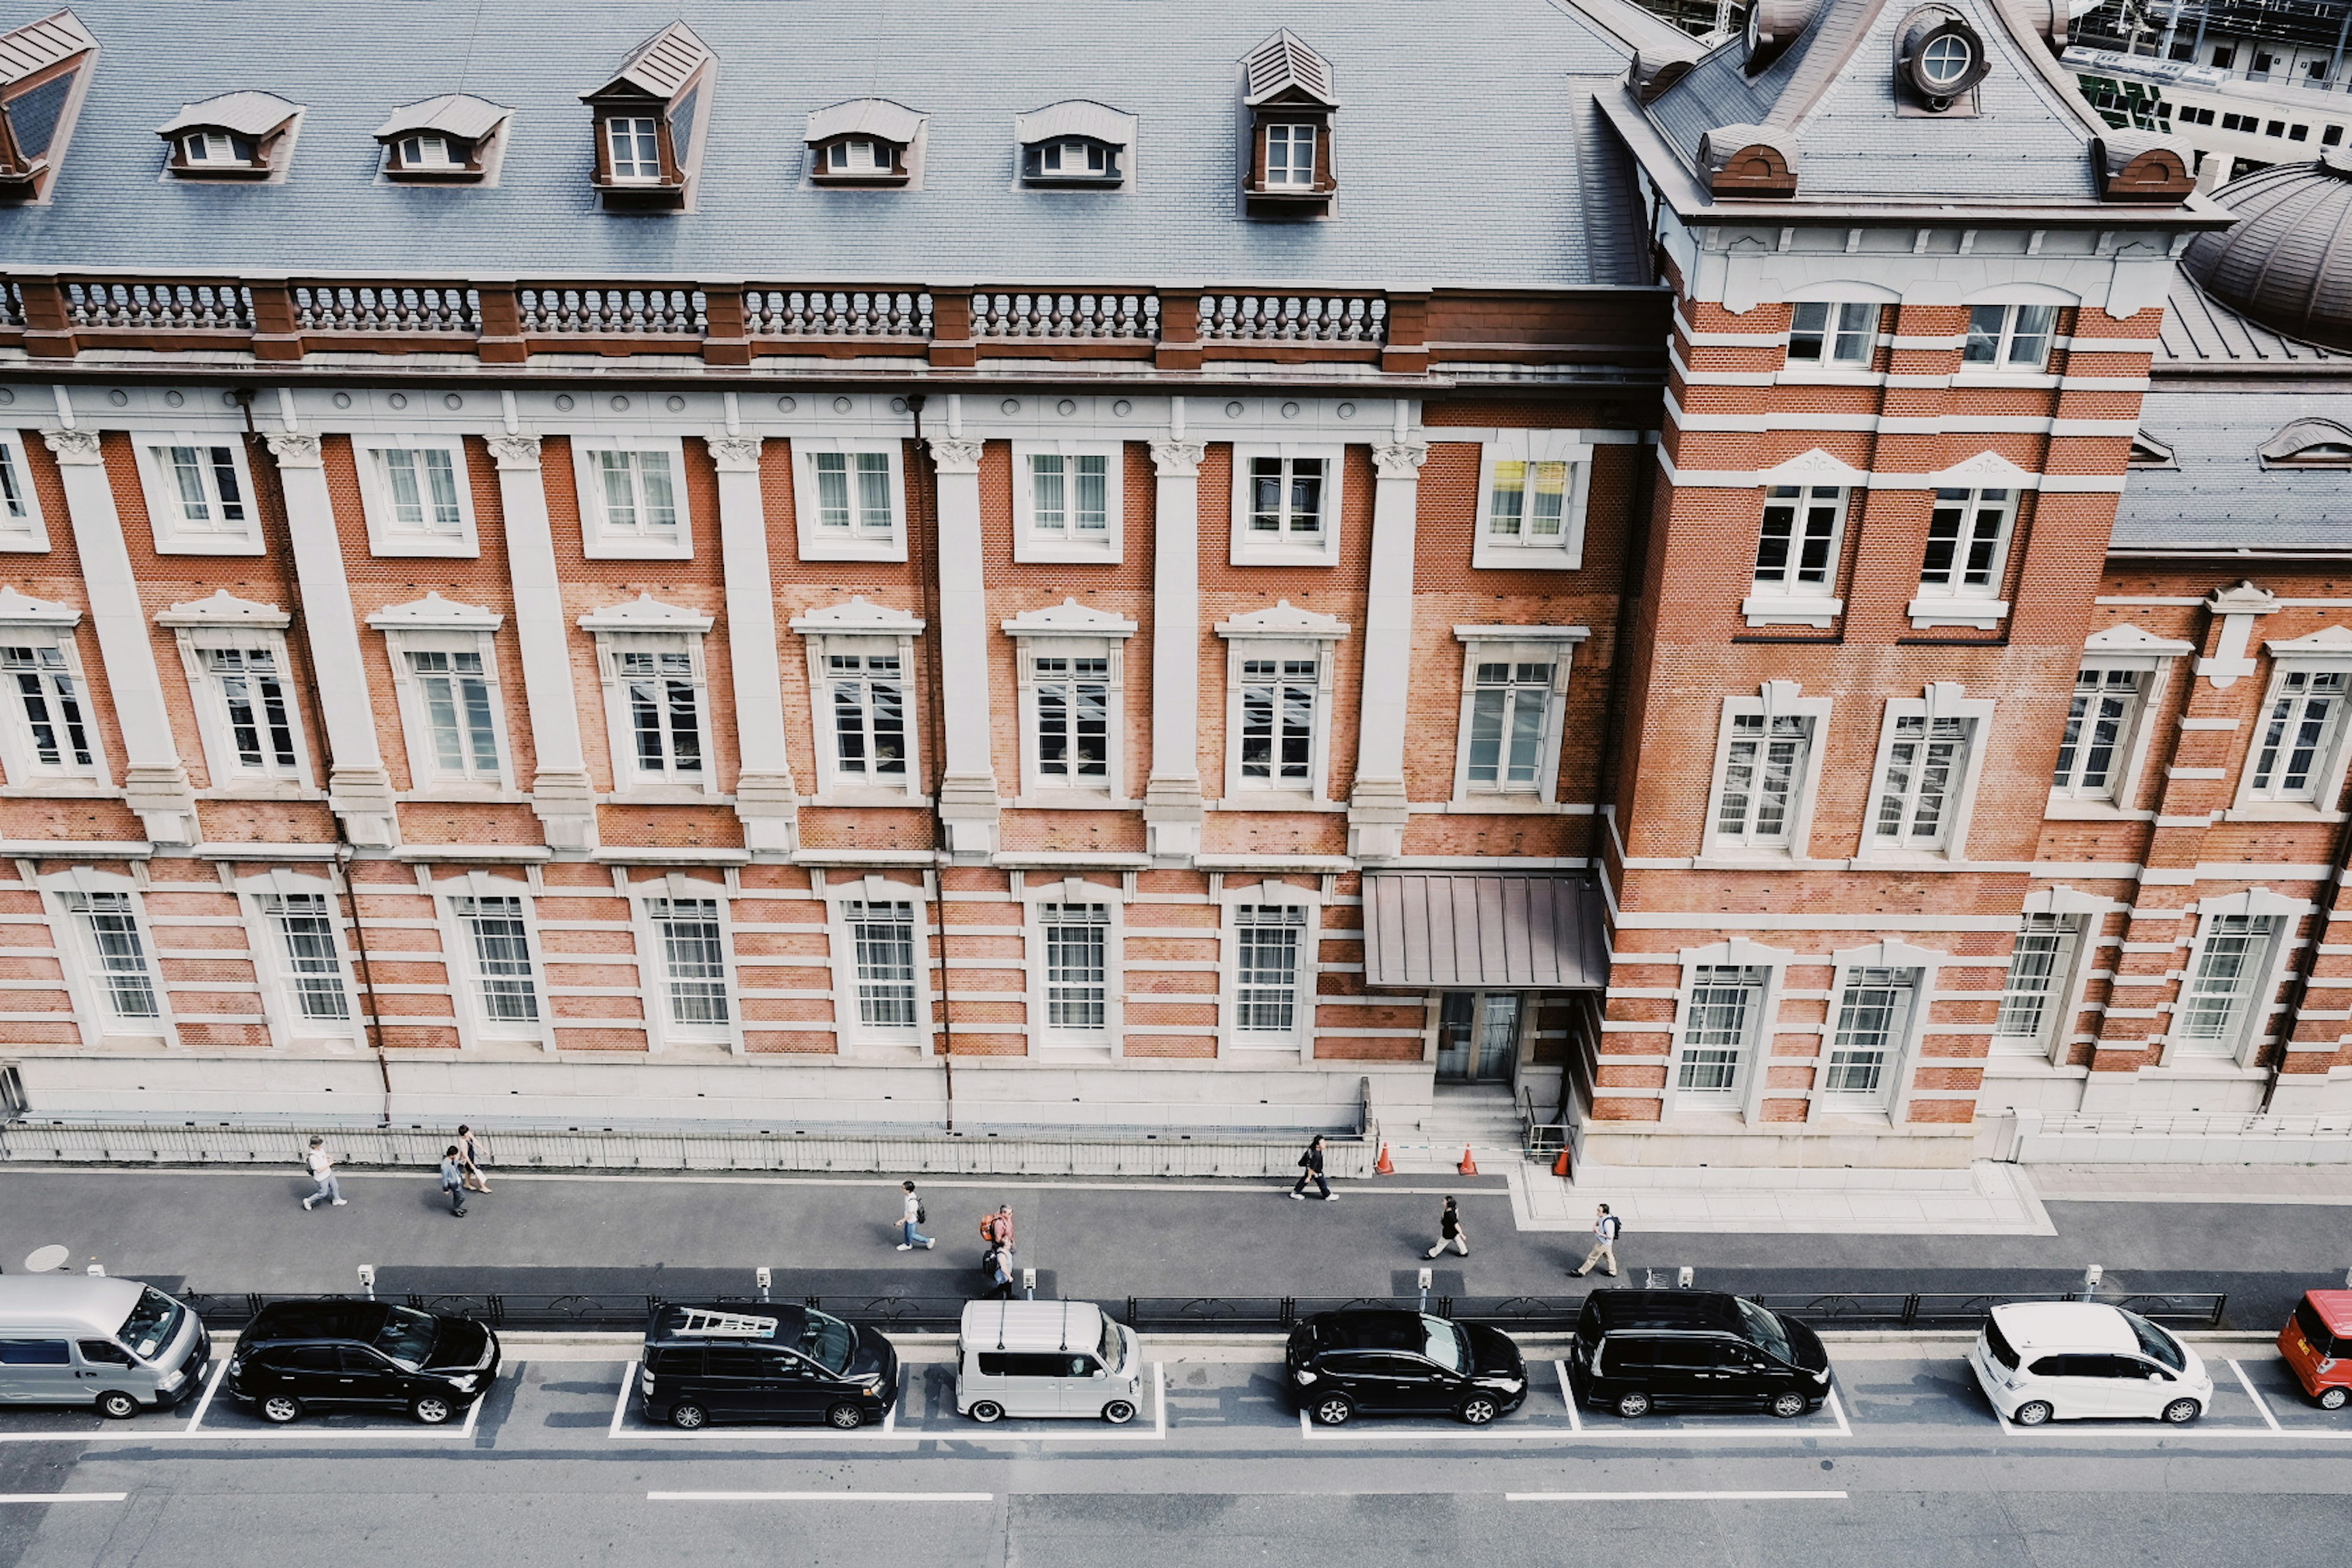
758	1361
339	1354
1637	1351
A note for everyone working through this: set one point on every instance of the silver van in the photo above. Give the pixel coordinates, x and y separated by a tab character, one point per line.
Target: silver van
1046	1358
115	1344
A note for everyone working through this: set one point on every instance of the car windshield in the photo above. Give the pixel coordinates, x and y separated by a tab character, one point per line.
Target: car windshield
1446	1344
828	1342
153	1324
1111	1345
2154	1343
1765	1330
407	1337
2316	1331
1998	1343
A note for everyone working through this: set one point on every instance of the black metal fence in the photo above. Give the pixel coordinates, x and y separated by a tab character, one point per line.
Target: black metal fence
1234	1314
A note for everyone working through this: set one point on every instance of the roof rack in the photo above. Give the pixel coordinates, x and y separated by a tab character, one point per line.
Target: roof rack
707	1323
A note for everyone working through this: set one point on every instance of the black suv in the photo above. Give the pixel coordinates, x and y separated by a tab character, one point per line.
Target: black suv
757	1361
1392	1361
1637	1351
342	1354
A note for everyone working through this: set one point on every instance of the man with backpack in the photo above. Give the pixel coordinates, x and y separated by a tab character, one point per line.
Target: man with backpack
910	1216
1606	1229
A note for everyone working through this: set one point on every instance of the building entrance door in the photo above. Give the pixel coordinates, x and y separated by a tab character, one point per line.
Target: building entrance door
1478	1036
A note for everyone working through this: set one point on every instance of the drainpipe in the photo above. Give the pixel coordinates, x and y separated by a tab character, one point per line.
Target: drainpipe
925	493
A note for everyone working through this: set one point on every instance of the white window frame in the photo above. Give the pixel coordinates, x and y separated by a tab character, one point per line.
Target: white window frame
1298	1043
2125	646
387	535
1896	1090
2067	935
1045	1038
1751	1079
862	629
856	541
1283	633
1837	330
1941	701
654	978
414	147
1775	700
600	538
1291	130
41	626
175	533
1072	631
2327	652
2081	730
1790	600
1032	539
224	623
22	526
463	962
881	156
646	626
274	967
1287	548
853	1036
434	624
1957	603
2004	337
1515	645
79	962
611	128
1563	552
2251	1030
1053	157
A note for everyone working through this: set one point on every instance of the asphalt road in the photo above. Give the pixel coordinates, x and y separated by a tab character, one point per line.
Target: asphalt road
1910	1468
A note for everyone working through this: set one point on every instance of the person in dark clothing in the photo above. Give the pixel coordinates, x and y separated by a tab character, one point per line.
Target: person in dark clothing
1450	1232
1310	1169
999	1274
453	1181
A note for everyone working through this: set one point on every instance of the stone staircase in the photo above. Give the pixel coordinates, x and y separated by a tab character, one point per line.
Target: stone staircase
1483	1117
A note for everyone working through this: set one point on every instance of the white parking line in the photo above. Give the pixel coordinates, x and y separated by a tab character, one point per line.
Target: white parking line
820	1497
1674	1496
886	1432
1838	1410
2260	1403
408	1432
1568	1396
62	1496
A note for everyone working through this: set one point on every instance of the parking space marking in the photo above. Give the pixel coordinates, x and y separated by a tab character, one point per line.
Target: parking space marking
1568	1396
2260	1403
886	1432
820	1497
45	1498
408	1432
1838	1410
979	1433
1674	1496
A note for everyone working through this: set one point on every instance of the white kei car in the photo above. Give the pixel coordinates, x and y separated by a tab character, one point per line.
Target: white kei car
2071	1360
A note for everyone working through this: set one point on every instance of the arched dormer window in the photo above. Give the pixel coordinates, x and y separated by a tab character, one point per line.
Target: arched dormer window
2309	443
1078	143
236	136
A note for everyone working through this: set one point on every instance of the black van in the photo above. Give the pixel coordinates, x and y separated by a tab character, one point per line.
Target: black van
758	1361
334	1353
1637	1351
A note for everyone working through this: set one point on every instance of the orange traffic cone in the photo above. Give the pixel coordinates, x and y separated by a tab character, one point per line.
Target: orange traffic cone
1560	1166
1469	1166
1384	1166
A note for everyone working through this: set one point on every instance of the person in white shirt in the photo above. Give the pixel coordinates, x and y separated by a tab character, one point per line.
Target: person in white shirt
323	1171
1605	1227
910	1215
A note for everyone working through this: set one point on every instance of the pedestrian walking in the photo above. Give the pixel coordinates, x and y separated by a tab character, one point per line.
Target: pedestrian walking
910	1219
321	1166
996	1230
999	1274
1450	1232
473	1156
1310	1169
1605	1232
453	1181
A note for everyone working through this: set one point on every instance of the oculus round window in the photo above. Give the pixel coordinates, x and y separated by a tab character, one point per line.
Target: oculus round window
1944	63
1942	58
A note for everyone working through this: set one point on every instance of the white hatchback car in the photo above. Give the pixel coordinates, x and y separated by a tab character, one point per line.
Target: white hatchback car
2069	1361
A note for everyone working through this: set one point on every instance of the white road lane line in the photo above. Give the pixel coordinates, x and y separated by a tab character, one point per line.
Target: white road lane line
474	1412
62	1496
1674	1496
621	1400
1568	1396
820	1497
1838	1410
2261	1405
1160	1396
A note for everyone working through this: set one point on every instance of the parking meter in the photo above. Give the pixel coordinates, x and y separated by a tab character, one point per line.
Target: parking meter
764	1279
367	1279
1029	1284
1425	1276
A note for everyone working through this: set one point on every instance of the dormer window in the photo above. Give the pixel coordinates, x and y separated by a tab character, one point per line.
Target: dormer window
2309	443
1288	169
1073	158
237	136
216	147
455	139
860	158
866	142
42	75
1074	144
649	123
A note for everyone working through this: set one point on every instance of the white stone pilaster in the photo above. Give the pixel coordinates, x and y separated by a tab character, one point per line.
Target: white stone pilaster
1376	812
560	793
1172	799
968	800
154	781
767	802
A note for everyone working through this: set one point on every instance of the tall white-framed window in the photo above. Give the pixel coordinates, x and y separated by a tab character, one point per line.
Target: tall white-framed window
1532	488
632	148
1067	500
1832	335
2102	717
1289	157
1074	987
1872	1023
116	959
21	523
1514	697
248	709
1967	543
2228	988
444	675
306	962
1072	674
688	992
2037	994
1723	1019
1278	683
2297	754
1767	766
1797	556
632	498
1924	787
881	964
1286	504
657	698
862	700
2014	337
49	730
415	493
849	496
1271	934
494	967
199	490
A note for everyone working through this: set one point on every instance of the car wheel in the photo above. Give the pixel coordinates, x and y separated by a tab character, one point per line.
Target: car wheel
1788	1406
2032	1413
429	1408
987	1412
1119	1413
117	1405
688	1417
1334	1410
1633	1406
2333	1398
846	1416
280	1408
1477	1410
2181	1412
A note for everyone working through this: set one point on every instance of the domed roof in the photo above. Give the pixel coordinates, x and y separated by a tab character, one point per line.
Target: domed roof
2287	262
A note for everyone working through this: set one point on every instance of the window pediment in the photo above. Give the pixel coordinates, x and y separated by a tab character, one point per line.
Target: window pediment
23	610
2124	637
645	614
433	613
1069	618
859	617
1283	619
224	610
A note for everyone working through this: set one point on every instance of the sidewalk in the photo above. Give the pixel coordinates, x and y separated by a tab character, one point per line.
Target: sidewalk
228	1231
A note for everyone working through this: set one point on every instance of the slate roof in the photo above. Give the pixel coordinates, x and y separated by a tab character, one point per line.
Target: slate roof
2202	334
1421	84
1835	87
2220	497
